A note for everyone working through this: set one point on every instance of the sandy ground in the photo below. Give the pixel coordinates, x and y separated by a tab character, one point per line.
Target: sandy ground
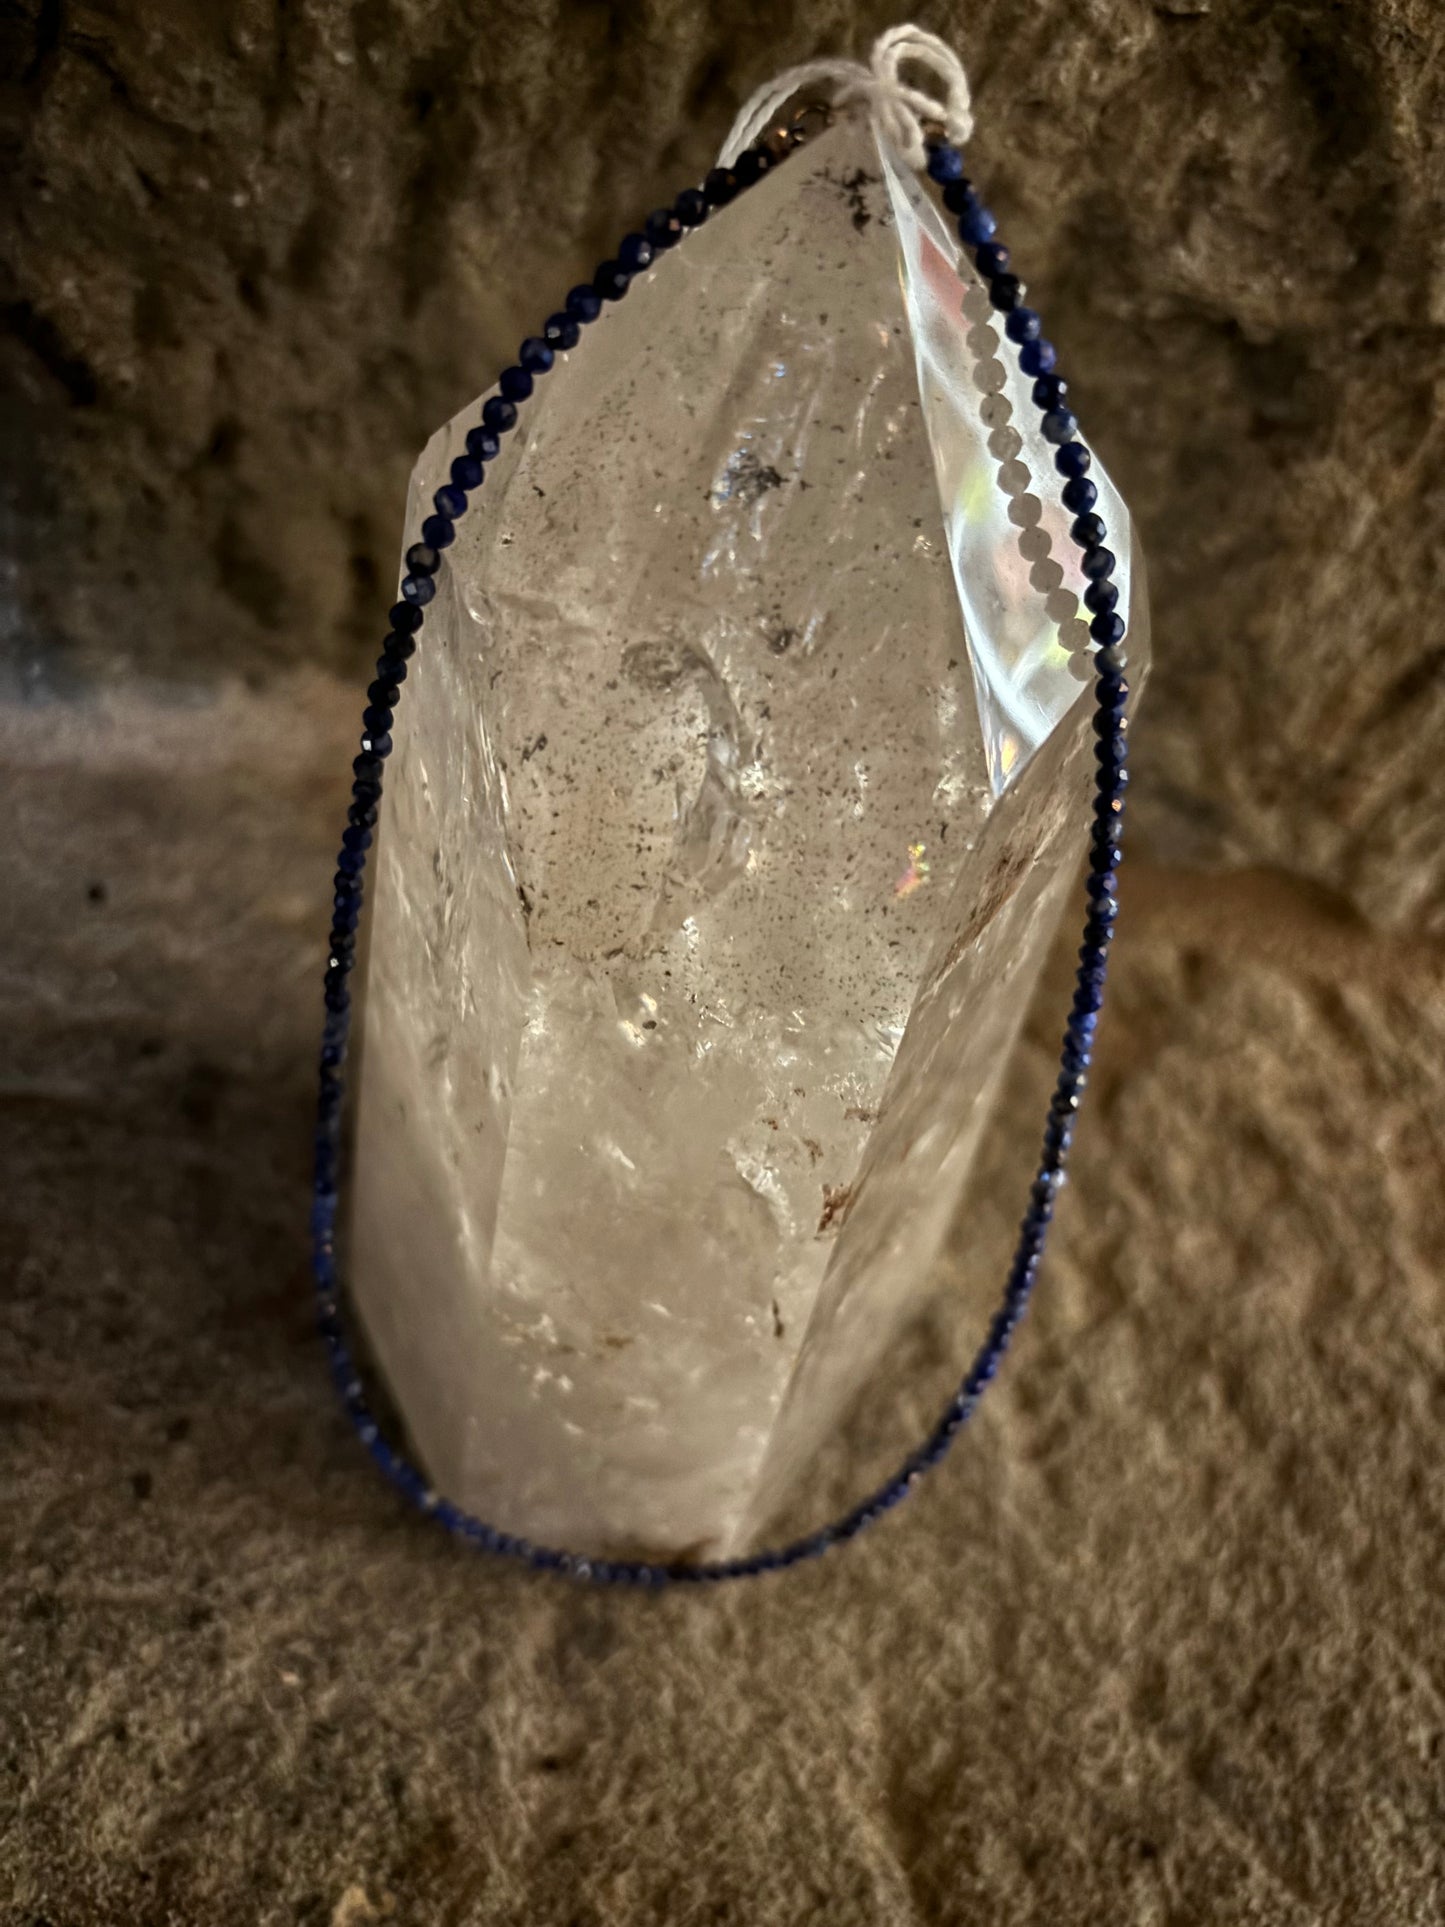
1163	1643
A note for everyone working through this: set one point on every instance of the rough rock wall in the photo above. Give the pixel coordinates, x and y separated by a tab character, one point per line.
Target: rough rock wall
1162	1642
259	251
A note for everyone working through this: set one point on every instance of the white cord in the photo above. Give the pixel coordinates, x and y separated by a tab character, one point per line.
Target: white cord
899	111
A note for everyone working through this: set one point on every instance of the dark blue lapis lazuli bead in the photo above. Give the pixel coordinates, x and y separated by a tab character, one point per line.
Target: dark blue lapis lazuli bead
720	186
499	414
1037	357
945	163
612	281
584	303
1097	563
635	253
535	356
1004	291
467	473
690	207
484	443
1101	597
663	228
404	619
1059	426
400	644
1107	627
561	333
751	166
1079	494
1049	391
975	226
1112	659
1072	459
1022	325
992	259
418	589
515	384
422	559
1088	530
439	531
450	501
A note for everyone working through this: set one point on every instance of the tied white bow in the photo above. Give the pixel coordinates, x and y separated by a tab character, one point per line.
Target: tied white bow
900	112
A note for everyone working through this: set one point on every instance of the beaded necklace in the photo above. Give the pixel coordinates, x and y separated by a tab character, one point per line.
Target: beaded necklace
900	108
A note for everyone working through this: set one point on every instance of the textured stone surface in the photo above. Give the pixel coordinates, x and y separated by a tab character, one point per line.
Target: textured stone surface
737	787
1162	1643
258	254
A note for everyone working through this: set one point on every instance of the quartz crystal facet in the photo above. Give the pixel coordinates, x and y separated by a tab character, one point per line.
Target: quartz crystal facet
741	778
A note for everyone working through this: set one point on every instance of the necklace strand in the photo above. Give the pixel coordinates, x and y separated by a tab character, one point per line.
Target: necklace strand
637	253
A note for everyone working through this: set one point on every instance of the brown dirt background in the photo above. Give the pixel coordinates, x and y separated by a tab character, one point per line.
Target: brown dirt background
1164	1643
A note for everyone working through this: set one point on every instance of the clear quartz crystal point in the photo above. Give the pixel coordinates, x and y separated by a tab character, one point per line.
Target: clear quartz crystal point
739	782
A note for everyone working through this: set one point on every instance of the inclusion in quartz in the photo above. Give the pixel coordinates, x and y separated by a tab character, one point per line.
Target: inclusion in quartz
739	783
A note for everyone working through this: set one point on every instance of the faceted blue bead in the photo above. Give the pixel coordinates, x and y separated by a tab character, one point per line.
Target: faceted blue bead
1059	426
422	559
690	207
663	228
484	443
1049	391
535	356
1107	628
404	619
635	253
561	332
976	226
439	531
498	414
945	163
1111	659
612	280
1088	530
1005	291
720	186
1037	357
584	303
1079	495
418	589
1072	459
515	384
751	166
1023	324
467	473
1097	563
1111	695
